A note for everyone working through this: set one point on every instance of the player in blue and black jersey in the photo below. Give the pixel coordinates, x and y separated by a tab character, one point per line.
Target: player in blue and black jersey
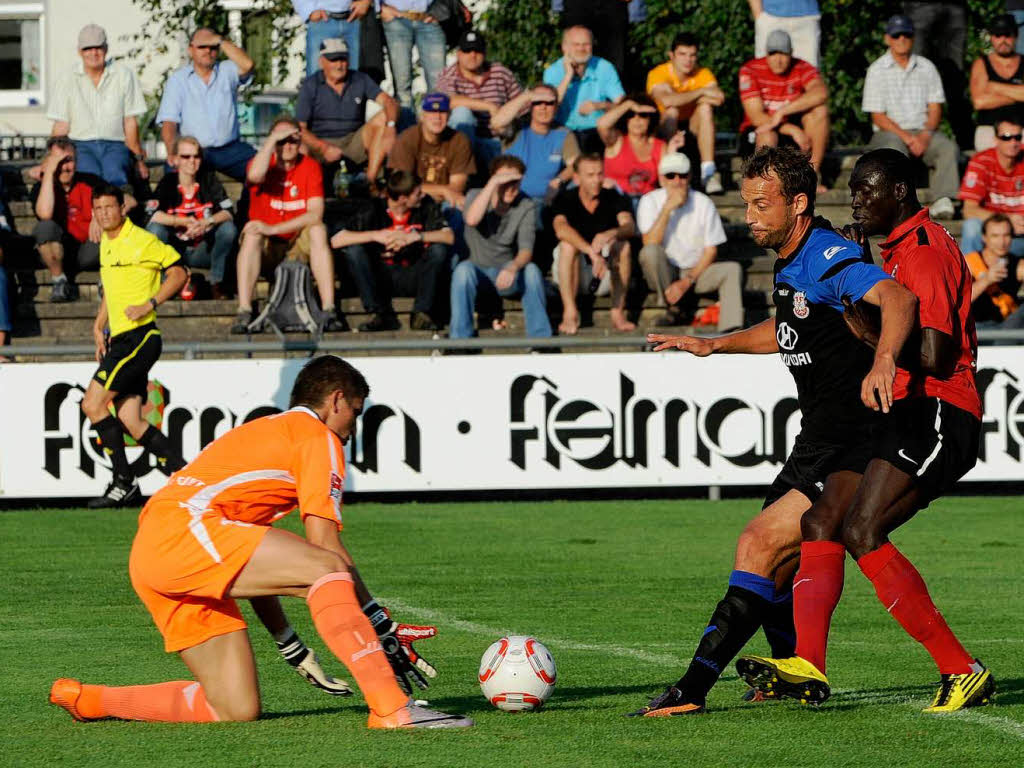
816	273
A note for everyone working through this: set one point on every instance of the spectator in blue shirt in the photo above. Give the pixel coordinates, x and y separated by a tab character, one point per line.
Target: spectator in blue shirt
587	85
332	18
407	24
200	100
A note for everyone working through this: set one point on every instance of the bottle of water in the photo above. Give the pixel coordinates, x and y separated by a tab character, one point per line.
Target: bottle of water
342	180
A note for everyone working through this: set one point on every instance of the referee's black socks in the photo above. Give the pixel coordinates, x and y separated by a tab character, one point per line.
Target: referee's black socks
112	437
156	442
736	618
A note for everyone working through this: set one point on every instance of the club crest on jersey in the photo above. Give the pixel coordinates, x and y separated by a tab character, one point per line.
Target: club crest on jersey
800	308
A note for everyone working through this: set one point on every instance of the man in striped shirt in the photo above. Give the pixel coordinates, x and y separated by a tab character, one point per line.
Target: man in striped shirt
994	183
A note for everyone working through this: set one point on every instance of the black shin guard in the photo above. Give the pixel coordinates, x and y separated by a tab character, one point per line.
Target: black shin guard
157	443
112	437
733	623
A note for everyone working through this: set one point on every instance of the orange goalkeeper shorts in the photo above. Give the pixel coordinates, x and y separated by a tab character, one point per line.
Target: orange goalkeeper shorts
182	566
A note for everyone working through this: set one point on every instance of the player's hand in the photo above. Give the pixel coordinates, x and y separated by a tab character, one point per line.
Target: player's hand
853	232
283	131
101	343
318	15
410	633
397	651
506	176
332	154
256	227
876	389
387	13
311	670
137	311
95	231
692	344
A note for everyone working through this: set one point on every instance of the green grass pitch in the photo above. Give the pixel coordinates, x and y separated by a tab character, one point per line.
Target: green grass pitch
618	590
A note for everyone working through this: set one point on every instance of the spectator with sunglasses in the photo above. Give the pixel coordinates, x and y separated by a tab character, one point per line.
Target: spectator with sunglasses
994	183
546	148
193	214
200	100
632	151
285	221
98	109
903	94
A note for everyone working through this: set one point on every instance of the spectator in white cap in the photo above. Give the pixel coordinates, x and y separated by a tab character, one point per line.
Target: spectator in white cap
681	233
98	107
331	108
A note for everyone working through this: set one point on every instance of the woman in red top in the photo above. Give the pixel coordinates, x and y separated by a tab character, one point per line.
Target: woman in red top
632	152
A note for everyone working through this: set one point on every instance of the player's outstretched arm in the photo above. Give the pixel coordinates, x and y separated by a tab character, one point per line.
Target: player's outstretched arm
758	340
898	311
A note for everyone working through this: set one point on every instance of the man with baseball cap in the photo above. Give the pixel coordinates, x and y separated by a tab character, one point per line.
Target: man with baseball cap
681	232
98	107
440	156
331	108
997	81
784	99
477	88
904	96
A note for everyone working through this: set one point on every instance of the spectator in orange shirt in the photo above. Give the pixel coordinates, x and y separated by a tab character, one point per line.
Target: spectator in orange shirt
687	94
784	98
285	221
998	275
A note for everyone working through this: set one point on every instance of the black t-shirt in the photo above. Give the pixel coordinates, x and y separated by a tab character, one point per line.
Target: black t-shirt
426	217
610	204
208	199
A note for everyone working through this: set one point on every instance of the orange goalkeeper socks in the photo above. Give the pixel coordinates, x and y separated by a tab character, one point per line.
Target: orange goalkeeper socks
179	701
350	636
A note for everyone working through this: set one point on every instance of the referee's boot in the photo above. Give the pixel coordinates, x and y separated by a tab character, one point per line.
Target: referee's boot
122	492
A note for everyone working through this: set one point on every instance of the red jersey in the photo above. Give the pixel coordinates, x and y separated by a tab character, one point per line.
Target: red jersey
989	185
284	194
924	258
758	81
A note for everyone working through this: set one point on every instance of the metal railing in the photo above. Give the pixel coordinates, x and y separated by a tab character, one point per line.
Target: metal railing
194	350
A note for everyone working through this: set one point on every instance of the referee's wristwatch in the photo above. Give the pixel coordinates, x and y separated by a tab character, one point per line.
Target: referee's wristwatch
153	302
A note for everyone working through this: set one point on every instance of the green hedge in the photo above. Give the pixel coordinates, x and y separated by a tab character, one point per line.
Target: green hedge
523	35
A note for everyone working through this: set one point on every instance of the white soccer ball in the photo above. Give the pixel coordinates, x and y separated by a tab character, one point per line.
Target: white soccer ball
517	674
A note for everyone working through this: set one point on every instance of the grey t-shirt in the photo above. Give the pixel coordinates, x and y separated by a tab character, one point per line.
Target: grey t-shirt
496	240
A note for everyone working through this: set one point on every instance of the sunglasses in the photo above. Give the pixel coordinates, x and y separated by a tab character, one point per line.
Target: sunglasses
544	103
1010	136
288	140
188	157
633	113
211	47
898	35
674	175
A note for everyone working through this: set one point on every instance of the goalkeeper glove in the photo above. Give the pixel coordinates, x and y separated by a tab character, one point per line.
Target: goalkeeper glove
304	661
397	641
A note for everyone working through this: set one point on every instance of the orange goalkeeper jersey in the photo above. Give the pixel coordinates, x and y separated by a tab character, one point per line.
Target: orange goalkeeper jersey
260	471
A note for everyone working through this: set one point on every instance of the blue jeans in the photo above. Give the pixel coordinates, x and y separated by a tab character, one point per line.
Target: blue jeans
211	253
484	149
230	159
5	302
110	160
529	284
318	31
402	35
970	238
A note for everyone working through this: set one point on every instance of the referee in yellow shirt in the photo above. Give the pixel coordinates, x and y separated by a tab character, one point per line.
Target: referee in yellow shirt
131	263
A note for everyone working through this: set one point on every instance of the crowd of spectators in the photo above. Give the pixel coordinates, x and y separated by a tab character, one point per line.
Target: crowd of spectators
473	192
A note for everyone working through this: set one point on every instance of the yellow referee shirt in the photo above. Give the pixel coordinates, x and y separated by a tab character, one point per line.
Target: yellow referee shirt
664	73
130	269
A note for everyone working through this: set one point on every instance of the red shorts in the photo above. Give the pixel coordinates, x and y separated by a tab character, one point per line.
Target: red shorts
182	566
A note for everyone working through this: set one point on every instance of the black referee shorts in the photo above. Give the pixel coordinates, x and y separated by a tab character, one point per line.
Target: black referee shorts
811	461
130	356
932	441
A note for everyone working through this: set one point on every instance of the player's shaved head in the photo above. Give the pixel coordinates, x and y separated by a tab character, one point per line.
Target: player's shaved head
883	191
323	375
790	166
888	166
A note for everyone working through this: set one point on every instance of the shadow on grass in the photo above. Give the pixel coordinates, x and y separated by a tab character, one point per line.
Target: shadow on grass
1011	691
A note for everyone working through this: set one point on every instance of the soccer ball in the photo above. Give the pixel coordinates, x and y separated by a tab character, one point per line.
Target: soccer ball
517	674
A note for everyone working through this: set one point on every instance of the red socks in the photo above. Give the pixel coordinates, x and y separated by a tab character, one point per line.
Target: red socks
902	591
179	701
350	636
817	587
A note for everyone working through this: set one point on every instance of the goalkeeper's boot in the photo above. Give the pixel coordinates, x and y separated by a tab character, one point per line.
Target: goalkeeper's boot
122	492
671	703
973	689
412	715
792	678
65	693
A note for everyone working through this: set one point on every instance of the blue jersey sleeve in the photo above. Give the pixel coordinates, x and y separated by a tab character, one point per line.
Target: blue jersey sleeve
840	270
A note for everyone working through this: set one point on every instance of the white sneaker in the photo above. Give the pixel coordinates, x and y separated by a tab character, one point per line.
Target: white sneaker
713	186
412	715
942	208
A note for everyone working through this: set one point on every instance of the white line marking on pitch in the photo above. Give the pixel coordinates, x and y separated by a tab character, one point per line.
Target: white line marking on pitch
1005	725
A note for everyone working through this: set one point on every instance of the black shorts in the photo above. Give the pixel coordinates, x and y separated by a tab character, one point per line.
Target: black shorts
130	356
811	461
932	441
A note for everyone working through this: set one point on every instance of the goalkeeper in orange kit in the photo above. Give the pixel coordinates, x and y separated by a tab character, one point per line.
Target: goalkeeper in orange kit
206	539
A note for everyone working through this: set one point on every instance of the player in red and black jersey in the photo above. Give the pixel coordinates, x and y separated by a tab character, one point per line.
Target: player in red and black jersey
929	440
398	247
